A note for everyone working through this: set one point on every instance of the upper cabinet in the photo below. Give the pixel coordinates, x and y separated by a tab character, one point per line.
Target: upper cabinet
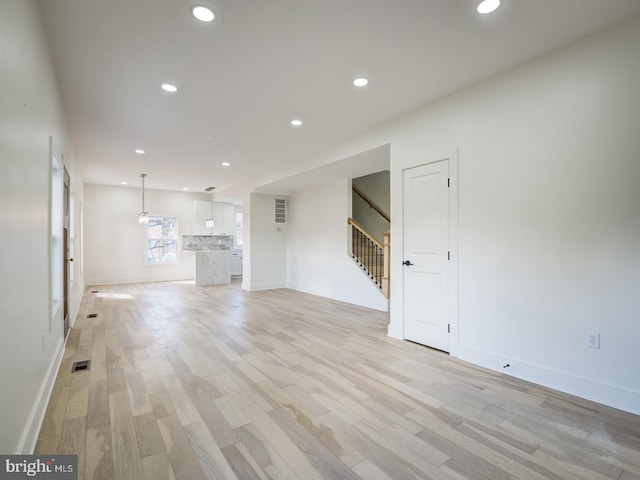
223	219
220	213
203	212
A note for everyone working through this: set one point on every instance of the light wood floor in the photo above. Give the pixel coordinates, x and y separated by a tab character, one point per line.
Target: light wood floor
218	383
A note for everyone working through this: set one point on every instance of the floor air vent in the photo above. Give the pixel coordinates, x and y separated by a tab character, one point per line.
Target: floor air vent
94	291
81	366
92	315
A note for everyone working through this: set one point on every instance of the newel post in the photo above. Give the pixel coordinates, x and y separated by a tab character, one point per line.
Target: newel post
386	249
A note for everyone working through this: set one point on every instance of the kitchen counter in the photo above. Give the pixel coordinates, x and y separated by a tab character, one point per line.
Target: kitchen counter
213	257
213	267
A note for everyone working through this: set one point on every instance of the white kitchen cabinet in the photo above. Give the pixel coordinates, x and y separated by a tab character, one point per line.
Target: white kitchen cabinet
223	219
236	262
203	211
221	213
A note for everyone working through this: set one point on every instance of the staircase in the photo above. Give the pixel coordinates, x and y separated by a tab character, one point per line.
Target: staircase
371	255
369	227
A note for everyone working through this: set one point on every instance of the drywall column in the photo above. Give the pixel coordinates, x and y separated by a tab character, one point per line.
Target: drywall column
265	249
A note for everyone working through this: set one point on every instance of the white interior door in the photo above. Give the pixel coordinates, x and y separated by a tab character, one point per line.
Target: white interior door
426	254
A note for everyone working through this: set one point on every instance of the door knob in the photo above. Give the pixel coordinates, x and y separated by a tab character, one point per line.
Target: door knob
407	263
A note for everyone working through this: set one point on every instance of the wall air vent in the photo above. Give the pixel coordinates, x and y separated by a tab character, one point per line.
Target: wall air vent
92	315
281	210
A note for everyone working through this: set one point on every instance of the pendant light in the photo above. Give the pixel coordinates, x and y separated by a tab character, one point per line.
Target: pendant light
143	217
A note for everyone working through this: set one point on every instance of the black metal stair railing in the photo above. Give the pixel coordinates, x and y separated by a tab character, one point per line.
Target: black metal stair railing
368	253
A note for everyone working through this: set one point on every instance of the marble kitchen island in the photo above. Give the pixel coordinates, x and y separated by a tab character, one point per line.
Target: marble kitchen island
213	257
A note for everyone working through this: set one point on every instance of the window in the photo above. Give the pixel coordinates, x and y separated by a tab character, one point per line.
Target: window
162	234
239	220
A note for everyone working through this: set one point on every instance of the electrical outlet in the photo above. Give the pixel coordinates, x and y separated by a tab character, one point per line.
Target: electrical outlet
593	340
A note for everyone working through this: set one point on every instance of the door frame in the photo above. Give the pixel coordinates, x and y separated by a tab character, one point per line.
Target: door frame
452	302
66	259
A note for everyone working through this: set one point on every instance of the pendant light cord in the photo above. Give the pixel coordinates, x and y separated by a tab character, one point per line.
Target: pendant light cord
142	175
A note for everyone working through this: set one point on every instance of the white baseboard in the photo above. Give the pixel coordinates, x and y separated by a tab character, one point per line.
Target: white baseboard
394	331
254	287
128	281
75	308
29	438
610	395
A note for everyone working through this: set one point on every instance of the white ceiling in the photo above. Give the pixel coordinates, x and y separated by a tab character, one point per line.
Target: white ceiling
261	63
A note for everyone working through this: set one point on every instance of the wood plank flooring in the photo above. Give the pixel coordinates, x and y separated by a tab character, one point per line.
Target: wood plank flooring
214	382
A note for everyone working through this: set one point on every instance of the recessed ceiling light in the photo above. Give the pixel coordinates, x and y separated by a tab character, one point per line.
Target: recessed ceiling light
209	137
225	164
123	183
488	6
185	188
167	87
296	123
360	82
139	151
202	13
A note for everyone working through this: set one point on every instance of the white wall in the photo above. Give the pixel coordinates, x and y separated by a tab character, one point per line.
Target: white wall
115	242
549	232
317	247
264	257
31	338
